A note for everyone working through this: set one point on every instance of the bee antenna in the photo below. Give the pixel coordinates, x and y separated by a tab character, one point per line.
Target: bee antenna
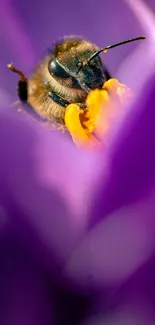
20	73
105	49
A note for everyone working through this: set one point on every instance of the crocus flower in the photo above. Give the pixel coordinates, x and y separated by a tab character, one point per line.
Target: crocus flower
77	226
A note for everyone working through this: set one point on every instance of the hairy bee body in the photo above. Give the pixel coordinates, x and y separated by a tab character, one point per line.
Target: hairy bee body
56	82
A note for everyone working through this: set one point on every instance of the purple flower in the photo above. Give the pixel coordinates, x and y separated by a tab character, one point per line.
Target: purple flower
77	229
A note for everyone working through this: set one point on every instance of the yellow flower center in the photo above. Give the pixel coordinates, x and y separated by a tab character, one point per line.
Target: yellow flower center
87	125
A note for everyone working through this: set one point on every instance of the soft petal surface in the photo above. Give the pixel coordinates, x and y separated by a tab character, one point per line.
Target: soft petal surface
115	248
136	67
49	180
24	293
107	251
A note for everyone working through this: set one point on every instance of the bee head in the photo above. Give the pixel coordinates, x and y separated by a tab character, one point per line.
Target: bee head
67	57
77	59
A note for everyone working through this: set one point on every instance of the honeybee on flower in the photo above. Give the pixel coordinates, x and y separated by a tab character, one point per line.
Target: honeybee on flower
70	86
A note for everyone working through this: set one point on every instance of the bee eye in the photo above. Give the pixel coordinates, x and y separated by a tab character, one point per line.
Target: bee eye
57	69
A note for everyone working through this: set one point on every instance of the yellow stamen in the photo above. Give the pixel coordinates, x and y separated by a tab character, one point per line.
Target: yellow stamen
79	125
102	108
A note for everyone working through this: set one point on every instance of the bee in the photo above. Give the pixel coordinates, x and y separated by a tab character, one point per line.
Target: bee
66	75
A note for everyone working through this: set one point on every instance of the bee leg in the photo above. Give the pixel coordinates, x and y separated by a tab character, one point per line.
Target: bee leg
61	101
58	99
22	87
22	90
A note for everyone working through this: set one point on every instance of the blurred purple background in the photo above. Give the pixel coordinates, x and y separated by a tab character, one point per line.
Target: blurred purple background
27	29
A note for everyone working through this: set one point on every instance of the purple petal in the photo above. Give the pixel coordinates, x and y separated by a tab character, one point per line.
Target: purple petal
132	155
24	293
131	304
101	31
123	241
15	35
115	248
136	68
48	182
